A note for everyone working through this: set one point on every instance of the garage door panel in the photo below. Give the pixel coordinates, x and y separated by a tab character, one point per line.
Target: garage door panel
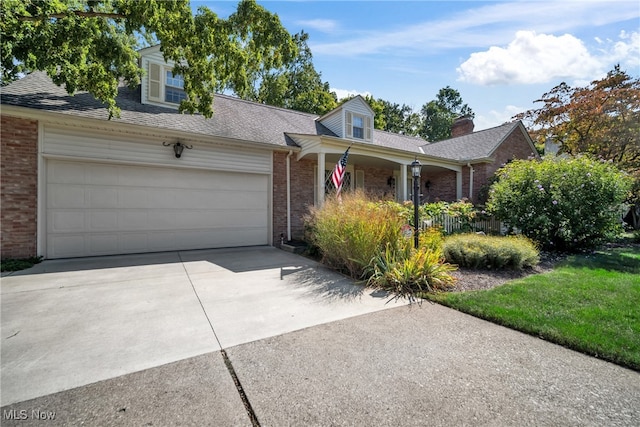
66	196
65	173
151	209
102	197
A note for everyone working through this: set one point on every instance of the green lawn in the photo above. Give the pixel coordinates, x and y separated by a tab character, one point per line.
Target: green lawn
590	303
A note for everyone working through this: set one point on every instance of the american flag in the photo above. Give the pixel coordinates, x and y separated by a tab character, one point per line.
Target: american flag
337	177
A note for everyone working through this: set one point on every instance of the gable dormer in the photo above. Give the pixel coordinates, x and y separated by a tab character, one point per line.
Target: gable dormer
159	85
351	120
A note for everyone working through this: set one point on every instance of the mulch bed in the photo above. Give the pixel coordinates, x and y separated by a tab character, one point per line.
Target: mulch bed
474	280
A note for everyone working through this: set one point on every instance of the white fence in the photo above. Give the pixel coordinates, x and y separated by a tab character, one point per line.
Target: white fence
451	224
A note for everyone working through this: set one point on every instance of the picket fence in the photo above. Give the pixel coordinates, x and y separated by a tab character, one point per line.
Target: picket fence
451	224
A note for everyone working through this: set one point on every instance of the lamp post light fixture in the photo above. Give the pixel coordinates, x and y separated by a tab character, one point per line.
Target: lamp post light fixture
178	147
416	168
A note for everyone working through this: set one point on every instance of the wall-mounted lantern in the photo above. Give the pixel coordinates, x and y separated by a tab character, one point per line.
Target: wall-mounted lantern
391	182
178	147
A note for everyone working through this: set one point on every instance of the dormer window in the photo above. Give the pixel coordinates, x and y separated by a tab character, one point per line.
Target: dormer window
174	88
164	86
358	126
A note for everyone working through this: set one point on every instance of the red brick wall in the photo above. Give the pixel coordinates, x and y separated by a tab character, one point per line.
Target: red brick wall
301	195
19	187
442	186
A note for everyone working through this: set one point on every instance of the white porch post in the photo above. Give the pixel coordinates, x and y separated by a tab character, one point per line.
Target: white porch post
320	178
403	182
459	185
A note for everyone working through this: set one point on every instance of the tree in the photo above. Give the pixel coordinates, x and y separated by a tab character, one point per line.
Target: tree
91	45
601	119
296	85
400	118
563	204
391	117
439	114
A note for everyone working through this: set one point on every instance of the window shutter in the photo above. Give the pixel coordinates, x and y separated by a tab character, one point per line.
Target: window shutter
367	128
348	125
360	180
154	81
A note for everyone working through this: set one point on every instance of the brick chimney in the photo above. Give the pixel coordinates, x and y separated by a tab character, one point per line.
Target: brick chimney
462	126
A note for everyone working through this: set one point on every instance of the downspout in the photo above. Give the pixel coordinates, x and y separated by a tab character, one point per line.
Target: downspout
289	195
471	170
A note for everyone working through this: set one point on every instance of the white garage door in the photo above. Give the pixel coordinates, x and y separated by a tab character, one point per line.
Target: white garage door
103	209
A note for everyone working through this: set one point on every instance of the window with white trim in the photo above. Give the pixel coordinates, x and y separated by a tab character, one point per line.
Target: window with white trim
164	86
174	88
358	126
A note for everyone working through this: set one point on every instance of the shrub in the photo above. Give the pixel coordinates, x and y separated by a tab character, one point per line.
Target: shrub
10	264
563	204
351	232
490	252
406	272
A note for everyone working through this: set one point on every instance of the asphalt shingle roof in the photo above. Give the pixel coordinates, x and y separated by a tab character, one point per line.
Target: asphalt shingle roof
476	145
233	118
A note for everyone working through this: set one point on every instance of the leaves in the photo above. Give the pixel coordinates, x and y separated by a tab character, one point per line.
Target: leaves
601	119
92	45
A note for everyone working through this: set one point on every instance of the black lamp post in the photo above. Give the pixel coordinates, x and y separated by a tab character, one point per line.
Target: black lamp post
416	168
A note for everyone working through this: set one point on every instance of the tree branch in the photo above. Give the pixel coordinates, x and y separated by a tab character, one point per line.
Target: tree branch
75	12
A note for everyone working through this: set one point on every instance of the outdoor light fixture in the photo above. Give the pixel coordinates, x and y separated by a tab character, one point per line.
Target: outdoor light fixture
178	147
391	182
416	168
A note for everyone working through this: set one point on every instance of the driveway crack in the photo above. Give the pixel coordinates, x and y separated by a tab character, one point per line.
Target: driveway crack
225	357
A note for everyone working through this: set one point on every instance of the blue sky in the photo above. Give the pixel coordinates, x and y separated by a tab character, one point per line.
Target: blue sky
500	55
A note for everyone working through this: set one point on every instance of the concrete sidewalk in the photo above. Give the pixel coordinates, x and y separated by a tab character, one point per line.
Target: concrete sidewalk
409	366
68	323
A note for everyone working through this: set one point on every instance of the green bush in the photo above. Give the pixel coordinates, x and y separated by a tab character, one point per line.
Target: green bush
10	264
407	272
563	204
490	252
351	232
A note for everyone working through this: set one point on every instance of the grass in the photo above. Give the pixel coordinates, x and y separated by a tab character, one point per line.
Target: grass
589	303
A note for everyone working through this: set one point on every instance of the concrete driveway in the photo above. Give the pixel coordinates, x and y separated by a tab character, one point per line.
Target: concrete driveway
68	323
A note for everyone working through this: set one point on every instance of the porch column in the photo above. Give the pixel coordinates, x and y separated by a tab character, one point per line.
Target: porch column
459	185
320	179
403	182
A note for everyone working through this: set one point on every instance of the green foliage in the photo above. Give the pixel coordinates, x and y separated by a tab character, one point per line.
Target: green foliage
296	86
363	238
92	45
490	252
351	232
438	115
563	204
407	272
11	264
589	303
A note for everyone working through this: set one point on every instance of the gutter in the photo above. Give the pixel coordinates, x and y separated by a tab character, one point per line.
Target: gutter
471	170
288	167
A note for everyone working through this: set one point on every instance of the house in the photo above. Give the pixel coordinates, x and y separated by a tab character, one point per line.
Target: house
77	184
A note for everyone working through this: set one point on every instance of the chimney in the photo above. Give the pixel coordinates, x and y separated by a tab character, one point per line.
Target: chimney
462	126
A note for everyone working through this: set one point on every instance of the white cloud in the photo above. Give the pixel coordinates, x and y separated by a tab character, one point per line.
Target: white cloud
495	118
627	51
322	25
531	58
344	93
493	24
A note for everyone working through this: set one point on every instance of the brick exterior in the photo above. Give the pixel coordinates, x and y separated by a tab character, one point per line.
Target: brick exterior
301	195
514	147
442	186
462	126
19	187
